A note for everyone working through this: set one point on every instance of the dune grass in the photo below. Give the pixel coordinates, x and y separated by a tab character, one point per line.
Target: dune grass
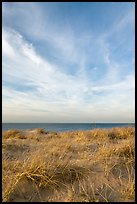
92	166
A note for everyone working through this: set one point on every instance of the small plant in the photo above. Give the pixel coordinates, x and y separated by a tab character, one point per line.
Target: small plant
127	151
10	134
40	131
117	134
112	135
21	136
13	134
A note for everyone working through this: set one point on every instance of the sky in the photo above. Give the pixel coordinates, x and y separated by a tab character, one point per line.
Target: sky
68	62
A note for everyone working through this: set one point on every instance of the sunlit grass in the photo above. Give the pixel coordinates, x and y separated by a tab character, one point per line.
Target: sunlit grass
76	166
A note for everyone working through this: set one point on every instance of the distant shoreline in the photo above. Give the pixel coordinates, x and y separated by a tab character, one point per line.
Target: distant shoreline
62	126
68	122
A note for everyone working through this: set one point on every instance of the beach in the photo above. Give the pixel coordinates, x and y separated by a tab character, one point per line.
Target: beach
75	166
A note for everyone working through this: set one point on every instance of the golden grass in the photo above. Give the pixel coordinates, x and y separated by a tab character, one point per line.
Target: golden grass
13	134
76	166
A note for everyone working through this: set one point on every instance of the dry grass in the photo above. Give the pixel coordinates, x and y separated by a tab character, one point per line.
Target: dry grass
76	166
10	134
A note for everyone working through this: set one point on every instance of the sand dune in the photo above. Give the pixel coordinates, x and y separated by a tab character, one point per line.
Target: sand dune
91	166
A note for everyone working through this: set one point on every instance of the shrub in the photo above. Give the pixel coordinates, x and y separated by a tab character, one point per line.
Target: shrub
127	151
10	133
40	131
118	134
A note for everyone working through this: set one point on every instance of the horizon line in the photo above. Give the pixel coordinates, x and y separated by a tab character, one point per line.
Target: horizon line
62	122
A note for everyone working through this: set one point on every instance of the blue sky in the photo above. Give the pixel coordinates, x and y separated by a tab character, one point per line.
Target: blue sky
68	62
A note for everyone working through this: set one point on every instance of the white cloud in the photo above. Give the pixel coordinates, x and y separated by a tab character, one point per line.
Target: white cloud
6	48
58	96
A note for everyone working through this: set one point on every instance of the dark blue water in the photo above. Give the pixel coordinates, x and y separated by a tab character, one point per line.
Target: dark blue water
62	126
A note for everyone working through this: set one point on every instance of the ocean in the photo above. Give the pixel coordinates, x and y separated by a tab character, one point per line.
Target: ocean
63	126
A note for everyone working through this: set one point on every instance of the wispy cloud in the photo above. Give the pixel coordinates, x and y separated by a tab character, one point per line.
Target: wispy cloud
82	83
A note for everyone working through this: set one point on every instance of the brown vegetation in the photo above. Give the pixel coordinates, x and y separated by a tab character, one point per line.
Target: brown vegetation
91	166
